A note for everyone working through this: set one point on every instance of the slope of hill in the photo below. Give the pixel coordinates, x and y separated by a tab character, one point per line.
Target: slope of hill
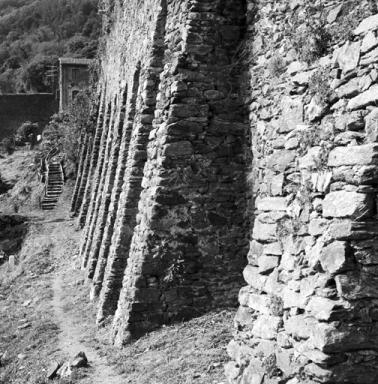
34	33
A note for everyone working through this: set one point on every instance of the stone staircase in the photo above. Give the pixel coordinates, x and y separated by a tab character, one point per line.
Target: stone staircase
54	184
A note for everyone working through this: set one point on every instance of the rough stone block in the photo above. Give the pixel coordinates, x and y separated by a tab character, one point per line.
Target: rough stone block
369	42
273	249
180	148
259	302
253	278
267	263
300	326
280	160
364	99
292	299
350	89
266	327
357	286
372	126
317	226
348	56
265	226
322	308
335	257
366	25
276	184
348	204
366	154
292	114
271	204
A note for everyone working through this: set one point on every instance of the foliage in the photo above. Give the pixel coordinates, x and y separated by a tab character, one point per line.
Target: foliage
65	129
308	138
351	16
106	8
308	32
27	132
33	33
319	85
276	66
8	145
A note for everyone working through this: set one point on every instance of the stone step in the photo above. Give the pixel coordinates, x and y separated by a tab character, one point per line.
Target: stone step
48	204
50	199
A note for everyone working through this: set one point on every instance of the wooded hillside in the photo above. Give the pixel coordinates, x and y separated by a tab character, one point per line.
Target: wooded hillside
34	33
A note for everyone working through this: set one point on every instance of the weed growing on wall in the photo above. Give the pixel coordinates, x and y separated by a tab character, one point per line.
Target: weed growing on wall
308	138
351	15
319	85
276	66
308	32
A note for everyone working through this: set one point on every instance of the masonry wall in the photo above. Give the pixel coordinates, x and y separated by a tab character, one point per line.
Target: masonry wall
207	114
307	313
18	108
164	203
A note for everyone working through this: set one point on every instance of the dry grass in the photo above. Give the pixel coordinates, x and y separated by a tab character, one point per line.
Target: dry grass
20	171
26	323
190	352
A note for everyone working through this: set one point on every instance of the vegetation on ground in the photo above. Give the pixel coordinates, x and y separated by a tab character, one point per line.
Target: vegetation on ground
66	129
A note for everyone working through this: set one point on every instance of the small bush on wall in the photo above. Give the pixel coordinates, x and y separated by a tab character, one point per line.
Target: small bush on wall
308	31
319	84
276	66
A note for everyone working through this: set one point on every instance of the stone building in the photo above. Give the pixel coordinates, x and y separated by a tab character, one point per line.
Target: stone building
73	76
225	146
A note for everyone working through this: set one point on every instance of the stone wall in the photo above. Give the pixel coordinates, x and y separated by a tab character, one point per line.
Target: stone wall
18	108
162	202
308	312
163	195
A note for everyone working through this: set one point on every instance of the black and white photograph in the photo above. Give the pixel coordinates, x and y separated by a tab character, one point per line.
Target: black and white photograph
188	191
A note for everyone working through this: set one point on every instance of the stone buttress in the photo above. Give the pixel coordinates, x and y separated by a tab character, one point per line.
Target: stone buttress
164	202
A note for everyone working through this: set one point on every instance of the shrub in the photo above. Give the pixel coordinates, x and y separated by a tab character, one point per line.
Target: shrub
319	85
64	130
8	145
27	132
349	19
308	32
276	66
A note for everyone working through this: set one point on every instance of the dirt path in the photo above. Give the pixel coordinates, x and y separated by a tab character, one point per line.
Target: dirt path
70	342
71	339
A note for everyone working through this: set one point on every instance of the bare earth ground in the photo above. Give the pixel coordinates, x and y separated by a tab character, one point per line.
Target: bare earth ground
45	317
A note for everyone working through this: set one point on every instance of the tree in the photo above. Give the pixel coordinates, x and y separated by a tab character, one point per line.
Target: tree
34	74
27	132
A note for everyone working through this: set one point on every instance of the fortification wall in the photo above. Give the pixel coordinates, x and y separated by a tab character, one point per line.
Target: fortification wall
164	202
18	108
